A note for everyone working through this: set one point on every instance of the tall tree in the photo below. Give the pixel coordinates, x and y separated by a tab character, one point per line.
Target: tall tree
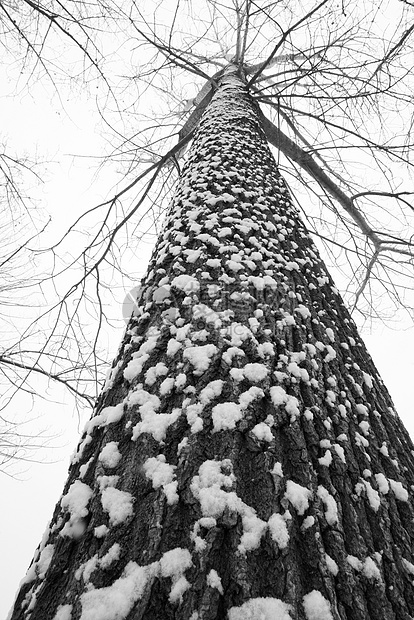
244	460
336	82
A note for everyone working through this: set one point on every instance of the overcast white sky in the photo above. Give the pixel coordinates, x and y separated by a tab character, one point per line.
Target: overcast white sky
28	500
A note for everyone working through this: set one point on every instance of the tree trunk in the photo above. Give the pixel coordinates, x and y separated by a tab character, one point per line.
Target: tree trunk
245	460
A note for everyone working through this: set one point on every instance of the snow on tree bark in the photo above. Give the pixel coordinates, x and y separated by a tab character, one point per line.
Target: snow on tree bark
244	460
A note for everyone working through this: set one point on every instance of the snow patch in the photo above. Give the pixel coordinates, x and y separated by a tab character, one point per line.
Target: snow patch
39	567
180	380
143	398
364	426
162	475
64	612
279	397
173	564
372	494
298	496
182	445
152	374
193	418
361	409
370	570
86	569
354	562
236	374
202	311
200	357
367	380
239	333
211	391
384	449
409	567
173	346
212	489
75	502
326	460
308	522
331	564
214	581
207	487
382	483
278	530
261	609
156	424
304	311
114	602
296	371
225	416
367	567
100	531
398	490
167	386
214	263
255	372
277	469
331	508
186	283
340	452
118	504
253	530
135	366
265	348
110	455
178	588
263	432
108	415
232	352
316	606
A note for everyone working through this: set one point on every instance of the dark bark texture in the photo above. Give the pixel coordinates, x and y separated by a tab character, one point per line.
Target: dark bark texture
245	460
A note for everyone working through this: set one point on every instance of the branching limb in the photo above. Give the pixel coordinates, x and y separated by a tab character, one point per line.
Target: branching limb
283	38
56	377
294	152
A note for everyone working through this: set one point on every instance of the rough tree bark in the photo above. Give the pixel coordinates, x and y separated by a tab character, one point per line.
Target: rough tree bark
245	460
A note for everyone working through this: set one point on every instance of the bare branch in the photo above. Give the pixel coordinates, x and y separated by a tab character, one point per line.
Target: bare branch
306	161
